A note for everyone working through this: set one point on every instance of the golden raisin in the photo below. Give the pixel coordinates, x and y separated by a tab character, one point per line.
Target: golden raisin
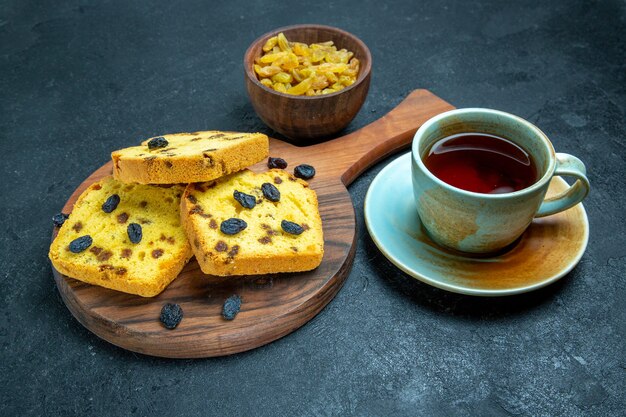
300	69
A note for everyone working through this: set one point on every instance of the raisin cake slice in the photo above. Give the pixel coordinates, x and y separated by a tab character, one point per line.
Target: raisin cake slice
127	237
247	223
183	158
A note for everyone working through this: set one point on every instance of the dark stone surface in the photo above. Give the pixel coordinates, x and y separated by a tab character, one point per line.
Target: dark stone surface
81	78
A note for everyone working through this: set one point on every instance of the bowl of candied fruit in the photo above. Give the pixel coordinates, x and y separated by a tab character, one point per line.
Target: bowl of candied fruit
307	82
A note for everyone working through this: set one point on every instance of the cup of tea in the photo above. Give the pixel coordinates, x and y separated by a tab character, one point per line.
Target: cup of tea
480	176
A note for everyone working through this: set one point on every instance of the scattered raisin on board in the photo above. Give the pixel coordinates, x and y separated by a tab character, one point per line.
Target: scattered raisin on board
158	142
231	307
246	200
59	219
171	315
291	227
134	232
80	244
270	192
233	226
304	171
111	203
276	163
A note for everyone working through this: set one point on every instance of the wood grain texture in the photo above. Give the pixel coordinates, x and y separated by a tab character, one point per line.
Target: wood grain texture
302	118
273	305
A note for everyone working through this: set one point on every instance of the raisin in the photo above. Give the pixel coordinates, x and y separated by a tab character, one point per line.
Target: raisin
304	171
157	253
231	307
276	163
78	226
134	232
59	219
126	253
80	244
291	227
111	203
122	218
233	251
104	256
158	142
246	200
171	315
270	192
278	180
233	226
221	246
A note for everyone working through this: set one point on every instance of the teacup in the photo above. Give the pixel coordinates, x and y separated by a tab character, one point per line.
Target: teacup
484	223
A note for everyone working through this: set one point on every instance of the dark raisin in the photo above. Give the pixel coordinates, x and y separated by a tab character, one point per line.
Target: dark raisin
233	226
96	250
134	232
221	246
171	315
111	203
270	192
304	171
158	142
231	307
291	227
233	251
246	200
276	163
104	256
59	219
80	244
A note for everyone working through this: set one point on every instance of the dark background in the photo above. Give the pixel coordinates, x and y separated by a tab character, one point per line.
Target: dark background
81	78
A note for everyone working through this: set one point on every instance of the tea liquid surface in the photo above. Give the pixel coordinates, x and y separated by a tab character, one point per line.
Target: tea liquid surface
481	163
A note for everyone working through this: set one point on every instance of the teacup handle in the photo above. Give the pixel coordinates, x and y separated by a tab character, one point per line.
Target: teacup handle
566	164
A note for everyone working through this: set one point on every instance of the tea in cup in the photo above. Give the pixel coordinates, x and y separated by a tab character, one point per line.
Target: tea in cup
480	176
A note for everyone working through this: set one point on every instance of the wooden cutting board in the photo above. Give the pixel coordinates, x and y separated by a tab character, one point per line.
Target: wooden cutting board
273	305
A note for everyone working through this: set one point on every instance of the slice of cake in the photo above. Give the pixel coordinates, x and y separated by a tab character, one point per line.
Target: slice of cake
127	237
189	157
248	223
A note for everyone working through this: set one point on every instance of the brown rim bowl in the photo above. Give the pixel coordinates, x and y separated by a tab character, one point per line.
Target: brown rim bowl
303	119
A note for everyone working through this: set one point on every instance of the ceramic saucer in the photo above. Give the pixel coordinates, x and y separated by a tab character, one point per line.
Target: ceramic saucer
548	250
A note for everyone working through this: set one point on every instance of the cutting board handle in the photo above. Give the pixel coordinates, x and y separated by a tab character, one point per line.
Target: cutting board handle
354	153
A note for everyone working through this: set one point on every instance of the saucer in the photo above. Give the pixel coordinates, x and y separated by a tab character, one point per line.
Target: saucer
549	249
